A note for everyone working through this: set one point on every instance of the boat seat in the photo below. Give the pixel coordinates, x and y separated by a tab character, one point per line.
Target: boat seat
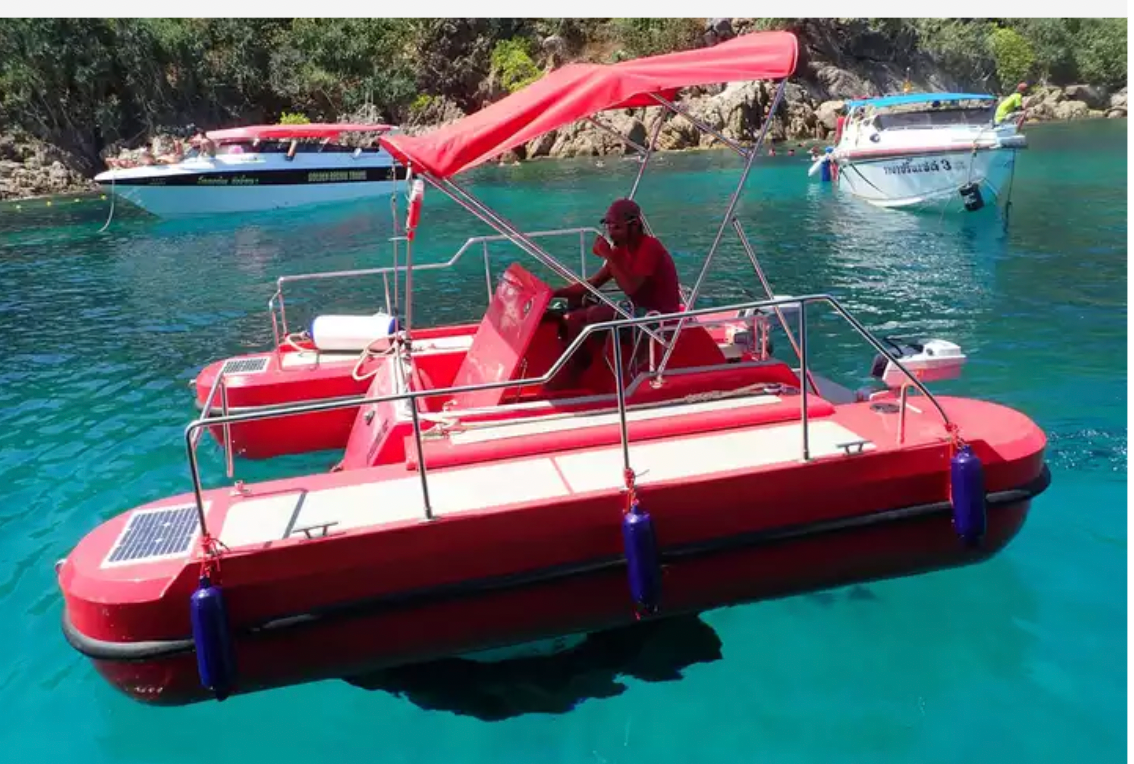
695	348
503	337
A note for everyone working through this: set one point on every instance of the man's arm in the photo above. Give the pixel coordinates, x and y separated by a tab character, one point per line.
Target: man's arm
578	290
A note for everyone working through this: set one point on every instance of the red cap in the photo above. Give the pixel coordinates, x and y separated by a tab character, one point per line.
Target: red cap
623	210
1022	87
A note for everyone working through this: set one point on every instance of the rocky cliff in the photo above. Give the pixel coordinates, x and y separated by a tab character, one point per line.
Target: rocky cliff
839	59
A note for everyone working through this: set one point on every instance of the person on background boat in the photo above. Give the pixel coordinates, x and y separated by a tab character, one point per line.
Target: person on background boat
1014	102
643	270
204	144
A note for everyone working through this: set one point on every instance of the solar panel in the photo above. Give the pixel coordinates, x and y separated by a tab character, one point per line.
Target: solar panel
245	365
156	533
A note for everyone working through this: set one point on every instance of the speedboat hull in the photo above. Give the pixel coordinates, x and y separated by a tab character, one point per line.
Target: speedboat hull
926	179
251	182
916	150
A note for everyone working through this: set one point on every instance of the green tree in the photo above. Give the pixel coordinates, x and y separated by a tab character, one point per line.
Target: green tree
1013	55
331	66
959	46
1053	45
1100	51
648	37
453	56
513	65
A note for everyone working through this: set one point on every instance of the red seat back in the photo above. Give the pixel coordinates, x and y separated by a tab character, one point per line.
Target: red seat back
502	340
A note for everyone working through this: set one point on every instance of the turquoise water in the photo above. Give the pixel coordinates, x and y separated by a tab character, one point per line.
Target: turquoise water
1019	659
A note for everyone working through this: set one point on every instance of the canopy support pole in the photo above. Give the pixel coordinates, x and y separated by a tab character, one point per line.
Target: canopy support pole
475	206
645	159
611	131
682	111
732	202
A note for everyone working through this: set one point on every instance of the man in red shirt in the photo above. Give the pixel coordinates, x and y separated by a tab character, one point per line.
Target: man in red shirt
641	267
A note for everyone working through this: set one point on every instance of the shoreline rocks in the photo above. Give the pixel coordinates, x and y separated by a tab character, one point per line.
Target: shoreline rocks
30	168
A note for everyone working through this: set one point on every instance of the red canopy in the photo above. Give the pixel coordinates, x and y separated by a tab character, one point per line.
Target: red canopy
581	90
330	130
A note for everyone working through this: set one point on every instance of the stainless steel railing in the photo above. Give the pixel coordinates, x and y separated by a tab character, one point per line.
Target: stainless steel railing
206	412
192	436
276	303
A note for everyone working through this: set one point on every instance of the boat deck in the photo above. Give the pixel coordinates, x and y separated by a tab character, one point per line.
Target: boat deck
259	521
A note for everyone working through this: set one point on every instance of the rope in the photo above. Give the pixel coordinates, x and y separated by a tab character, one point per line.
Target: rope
631	494
291	342
1008	198
956	442
210	564
113	198
367	353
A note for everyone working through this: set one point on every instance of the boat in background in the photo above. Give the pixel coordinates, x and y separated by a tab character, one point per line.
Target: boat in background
926	150
262	167
476	508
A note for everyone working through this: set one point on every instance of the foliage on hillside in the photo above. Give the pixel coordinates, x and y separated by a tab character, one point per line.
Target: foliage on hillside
85	84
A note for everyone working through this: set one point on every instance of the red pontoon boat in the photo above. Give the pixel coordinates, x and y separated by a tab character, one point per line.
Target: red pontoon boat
474	509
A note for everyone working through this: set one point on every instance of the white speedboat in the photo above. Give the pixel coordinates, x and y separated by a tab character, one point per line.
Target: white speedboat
932	150
261	167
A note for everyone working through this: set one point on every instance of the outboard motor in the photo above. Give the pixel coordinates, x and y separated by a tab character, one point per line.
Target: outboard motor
931	360
971	196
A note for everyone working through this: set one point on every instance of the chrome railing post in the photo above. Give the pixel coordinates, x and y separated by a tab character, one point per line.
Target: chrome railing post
420	457
902	414
194	472
487	272
768	290
275	329
620	389
582	254
803	374
224	413
283	315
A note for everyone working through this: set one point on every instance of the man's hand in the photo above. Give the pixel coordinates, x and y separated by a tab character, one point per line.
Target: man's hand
601	247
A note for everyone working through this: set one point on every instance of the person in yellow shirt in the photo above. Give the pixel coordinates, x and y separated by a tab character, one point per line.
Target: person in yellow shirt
1014	102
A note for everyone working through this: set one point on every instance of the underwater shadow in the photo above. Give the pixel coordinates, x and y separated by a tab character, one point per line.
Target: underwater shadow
651	651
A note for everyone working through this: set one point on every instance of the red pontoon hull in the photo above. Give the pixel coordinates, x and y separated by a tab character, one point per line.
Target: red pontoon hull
353	645
410	590
291	377
288	378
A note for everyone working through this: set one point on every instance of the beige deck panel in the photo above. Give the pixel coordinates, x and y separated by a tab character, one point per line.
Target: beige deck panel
306	358
484	433
255	521
456	342
260	520
694	456
476	487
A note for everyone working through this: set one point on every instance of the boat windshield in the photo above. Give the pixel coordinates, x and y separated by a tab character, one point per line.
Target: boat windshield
939	117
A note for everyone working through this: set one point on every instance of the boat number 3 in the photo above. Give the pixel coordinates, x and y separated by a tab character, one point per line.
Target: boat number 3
928	165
